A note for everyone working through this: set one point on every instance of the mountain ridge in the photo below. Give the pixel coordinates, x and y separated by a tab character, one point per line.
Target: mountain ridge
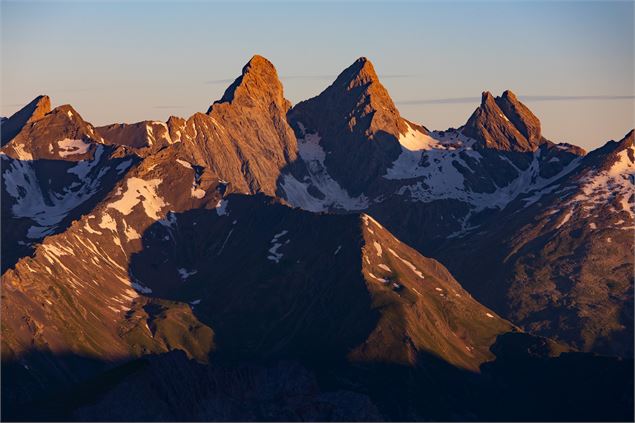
322	233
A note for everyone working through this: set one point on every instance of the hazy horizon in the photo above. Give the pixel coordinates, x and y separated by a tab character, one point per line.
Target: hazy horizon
571	63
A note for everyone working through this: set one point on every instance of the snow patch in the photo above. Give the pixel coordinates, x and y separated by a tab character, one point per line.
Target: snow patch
274	254
221	207
123	166
378	248
39	232
184	163
140	191
414	140
107	222
141	288
184	273
297	192
48	208
69	147
407	263
198	193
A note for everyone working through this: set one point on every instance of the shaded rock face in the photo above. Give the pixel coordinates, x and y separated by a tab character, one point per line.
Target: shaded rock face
562	266
53	171
181	390
358	123
237	279
504	123
32	112
559	385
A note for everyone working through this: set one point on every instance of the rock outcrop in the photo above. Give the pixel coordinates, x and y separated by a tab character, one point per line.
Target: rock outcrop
504	123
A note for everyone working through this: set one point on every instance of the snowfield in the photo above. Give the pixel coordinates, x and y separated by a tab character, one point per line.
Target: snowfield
297	192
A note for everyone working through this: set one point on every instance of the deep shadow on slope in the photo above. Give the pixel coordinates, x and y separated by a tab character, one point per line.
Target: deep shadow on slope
52	176
427	226
523	384
264	277
53	385
282	333
313	306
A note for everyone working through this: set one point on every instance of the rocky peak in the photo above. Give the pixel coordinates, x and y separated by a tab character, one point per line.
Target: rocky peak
524	120
244	137
33	111
628	139
605	157
364	95
487	99
258	84
356	120
360	73
58	133
504	123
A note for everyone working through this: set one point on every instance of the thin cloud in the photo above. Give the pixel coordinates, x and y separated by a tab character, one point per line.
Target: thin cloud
527	98
307	77
455	100
220	81
71	90
333	77
398	76
576	97
310	77
284	77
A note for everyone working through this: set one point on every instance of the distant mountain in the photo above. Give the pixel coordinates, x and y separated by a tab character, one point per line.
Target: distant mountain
137	135
300	255
504	123
358	123
33	111
54	169
560	260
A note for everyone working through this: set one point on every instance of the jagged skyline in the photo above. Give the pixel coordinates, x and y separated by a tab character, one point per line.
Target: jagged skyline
133	69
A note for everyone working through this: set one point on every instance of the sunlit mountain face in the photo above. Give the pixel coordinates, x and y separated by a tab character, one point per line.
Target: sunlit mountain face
329	260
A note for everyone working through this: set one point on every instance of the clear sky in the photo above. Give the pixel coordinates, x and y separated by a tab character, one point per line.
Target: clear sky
123	62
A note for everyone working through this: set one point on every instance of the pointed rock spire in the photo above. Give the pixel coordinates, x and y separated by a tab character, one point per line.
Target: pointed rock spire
258	83
524	120
356	120
40	136
245	136
504	123
33	111
361	72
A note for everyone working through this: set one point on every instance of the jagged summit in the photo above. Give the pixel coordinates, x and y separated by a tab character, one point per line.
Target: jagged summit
60	133
357	120
258	83
606	156
504	123
361	72
33	111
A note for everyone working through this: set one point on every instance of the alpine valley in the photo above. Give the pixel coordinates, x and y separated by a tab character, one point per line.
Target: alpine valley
324	261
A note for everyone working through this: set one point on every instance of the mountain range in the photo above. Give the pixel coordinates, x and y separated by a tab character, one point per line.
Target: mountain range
324	261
